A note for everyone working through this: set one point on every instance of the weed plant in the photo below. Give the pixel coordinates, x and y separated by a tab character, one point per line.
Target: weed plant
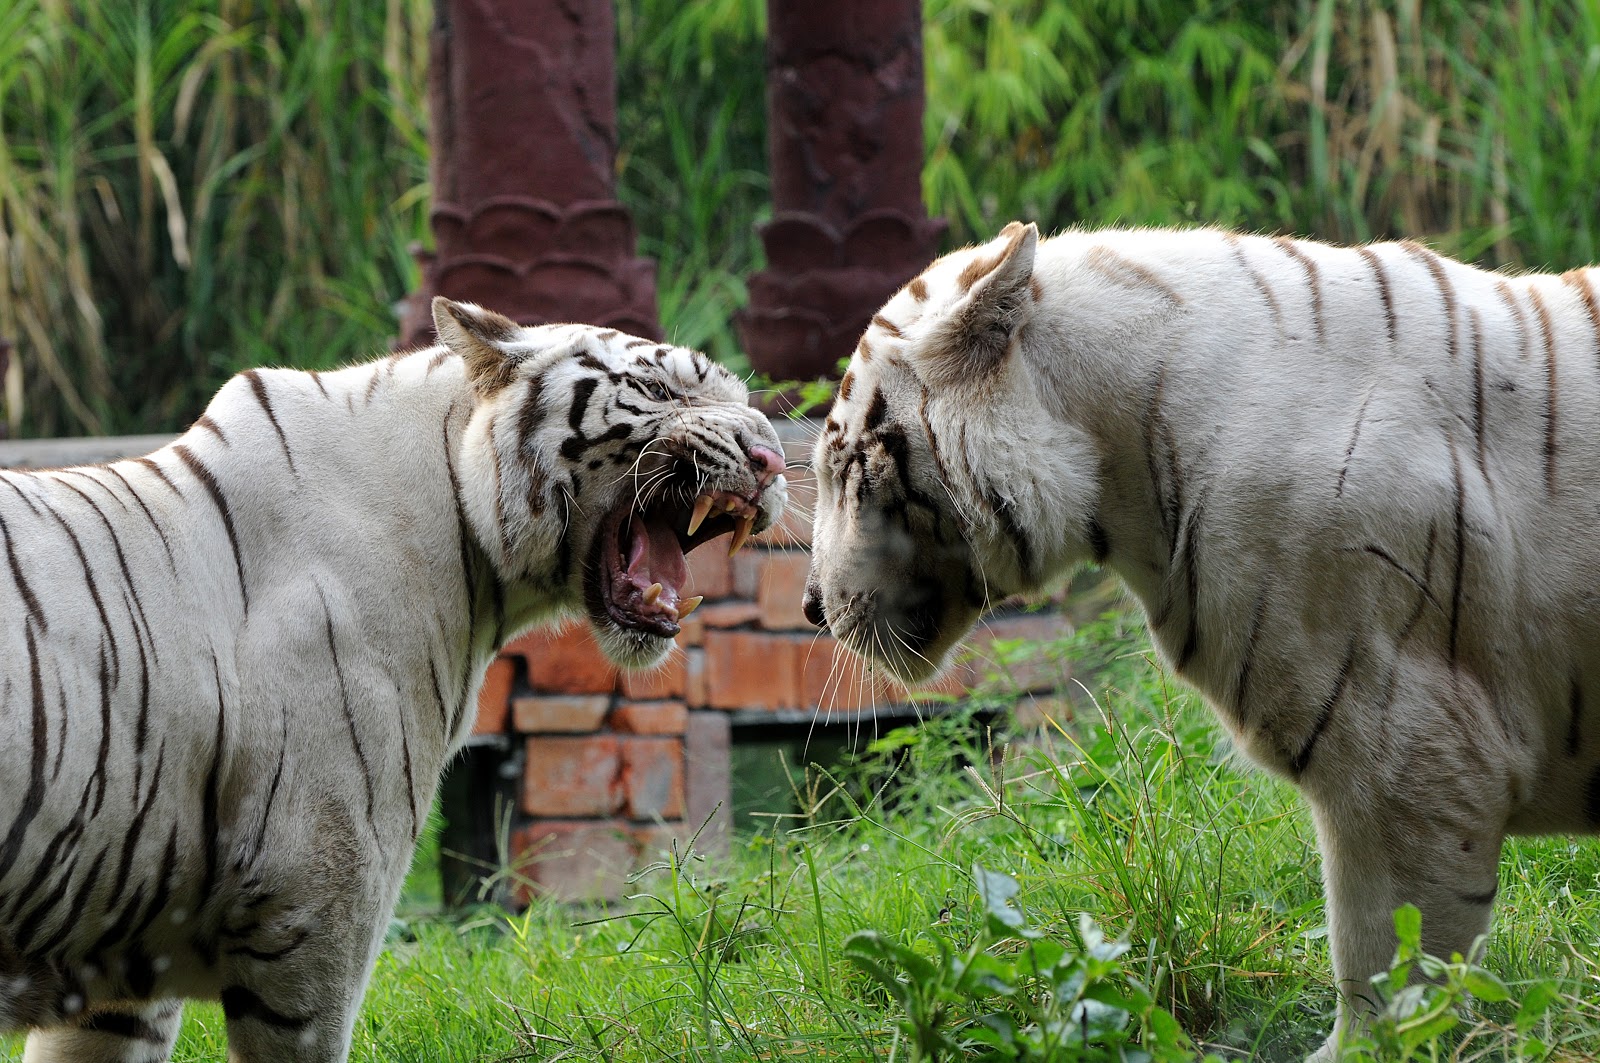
1114	885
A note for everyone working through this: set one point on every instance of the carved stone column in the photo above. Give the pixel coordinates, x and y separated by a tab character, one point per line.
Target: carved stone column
844	131
525	216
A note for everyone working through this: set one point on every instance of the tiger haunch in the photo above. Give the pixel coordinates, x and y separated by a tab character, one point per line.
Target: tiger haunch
1353	489
238	665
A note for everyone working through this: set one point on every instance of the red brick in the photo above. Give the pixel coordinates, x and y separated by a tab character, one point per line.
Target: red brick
692	631
565	662
834	678
573	861
782	590
663	682
754	670
708	779
656	841
652	777
560	713
710	570
729	614
650	718
494	698
573	776
694	677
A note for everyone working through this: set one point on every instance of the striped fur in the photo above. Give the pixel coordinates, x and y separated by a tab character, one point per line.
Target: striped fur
236	667
1354	488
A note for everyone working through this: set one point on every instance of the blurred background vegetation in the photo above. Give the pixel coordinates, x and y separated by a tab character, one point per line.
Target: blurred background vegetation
189	187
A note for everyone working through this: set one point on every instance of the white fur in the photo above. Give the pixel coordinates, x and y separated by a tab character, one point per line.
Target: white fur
271	746
1268	467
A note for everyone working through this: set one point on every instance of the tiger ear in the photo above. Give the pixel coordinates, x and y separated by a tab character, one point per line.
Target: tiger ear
478	336
992	303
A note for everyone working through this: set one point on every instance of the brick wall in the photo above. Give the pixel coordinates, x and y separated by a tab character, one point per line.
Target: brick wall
614	766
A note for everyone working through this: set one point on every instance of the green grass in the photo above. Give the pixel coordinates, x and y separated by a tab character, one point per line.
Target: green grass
1131	811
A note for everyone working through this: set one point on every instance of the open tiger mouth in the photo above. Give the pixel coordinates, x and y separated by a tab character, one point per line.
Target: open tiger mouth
643	565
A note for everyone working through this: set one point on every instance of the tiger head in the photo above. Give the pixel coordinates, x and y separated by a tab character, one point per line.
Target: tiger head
943	482
594	462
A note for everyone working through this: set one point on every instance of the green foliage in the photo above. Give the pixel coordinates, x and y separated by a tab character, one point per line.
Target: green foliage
1013	995
188	187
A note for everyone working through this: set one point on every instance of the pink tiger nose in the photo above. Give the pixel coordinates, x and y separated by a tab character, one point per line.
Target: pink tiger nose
768	464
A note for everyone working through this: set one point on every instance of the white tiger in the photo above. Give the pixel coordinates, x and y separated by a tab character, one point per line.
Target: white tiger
1353	488
236	667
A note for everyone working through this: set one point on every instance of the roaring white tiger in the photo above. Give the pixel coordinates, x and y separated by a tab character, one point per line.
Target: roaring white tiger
235	667
1353	488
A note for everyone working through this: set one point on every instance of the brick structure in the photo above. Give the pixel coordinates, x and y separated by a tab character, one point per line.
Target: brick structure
525	216
844	138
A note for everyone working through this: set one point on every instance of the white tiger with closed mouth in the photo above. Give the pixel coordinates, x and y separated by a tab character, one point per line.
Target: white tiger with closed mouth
236	667
1354	489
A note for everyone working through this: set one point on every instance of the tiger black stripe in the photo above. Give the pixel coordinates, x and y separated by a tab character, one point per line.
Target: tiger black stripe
1247	657
1508	297
1350	448
260	844
272	955
210	813
213	427
161	474
35	612
1578	279
1302	759
411	773
258	388
1381	276
63	842
130	848
1188	557
103	757
128	1027
1447	291
1424	596
1383	555
1478	414
209	481
240	1005
1099	543
1458	585
33	799
349	715
1313	281
51	945
1547	331
316	378
94	589
122	563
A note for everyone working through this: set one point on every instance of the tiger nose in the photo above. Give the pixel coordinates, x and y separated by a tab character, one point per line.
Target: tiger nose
811	604
768	464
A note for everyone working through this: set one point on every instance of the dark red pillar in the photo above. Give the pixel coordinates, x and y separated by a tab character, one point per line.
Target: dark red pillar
844	133
525	216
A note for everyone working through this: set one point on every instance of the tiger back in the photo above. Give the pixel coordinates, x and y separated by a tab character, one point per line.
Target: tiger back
1353	488
236	667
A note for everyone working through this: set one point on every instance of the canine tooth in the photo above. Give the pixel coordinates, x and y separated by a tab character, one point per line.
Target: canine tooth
689	605
741	532
651	593
702	506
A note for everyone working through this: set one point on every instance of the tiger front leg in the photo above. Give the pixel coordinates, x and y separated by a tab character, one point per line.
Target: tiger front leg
1380	854
296	1013
133	1033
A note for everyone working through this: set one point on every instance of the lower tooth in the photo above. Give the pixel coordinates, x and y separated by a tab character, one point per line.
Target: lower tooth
651	593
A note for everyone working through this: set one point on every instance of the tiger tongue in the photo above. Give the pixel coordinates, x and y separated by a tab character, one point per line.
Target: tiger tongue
654	556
